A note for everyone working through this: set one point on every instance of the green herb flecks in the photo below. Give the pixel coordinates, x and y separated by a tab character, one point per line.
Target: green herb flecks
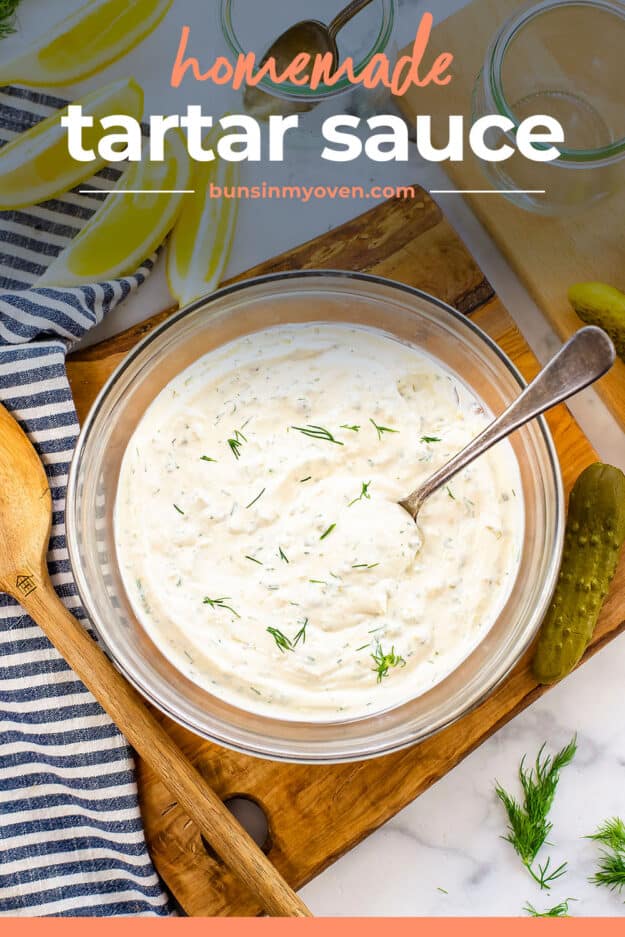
558	910
611	867
253	560
380	430
283	643
301	634
352	429
430	439
318	432
283	555
180	511
206	458
327	532
450	493
221	603
528	826
7	16
364	493
257	498
384	660
236	443
307	479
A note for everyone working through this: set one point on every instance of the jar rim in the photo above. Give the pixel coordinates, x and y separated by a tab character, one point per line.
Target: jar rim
493	67
291	92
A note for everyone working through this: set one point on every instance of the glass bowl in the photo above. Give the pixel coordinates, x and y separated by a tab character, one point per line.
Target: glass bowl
242	309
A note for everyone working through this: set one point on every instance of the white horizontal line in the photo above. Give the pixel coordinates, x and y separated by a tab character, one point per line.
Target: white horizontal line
137	191
488	191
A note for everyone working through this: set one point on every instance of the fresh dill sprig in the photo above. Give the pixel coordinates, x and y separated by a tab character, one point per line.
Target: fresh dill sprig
7	16
429	439
253	560
301	634
611	867
180	511
221	603
558	910
206	458
327	532
318	432
380	430
283	643
528	826
236	442
352	429
364	493
283	555
385	660
257	498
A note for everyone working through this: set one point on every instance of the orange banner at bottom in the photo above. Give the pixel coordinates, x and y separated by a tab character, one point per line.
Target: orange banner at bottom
324	927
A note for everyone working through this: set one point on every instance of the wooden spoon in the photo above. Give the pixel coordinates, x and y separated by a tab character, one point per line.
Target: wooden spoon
25	523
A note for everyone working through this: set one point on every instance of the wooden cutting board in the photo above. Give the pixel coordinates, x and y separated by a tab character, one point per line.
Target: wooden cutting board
549	254
316	814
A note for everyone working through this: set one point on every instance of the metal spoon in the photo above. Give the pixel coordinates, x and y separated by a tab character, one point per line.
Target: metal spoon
310	36
584	359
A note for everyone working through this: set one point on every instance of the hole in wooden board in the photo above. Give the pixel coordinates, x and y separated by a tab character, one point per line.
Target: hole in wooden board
252	818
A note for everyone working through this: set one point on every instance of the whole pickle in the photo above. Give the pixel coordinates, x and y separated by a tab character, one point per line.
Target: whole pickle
602	305
595	532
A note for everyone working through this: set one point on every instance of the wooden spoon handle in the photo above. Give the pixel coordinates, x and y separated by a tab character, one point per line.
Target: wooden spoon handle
129	712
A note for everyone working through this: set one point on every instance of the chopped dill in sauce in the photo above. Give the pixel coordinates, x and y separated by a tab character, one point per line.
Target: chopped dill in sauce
318	432
364	493
385	660
257	498
221	603
236	443
380	430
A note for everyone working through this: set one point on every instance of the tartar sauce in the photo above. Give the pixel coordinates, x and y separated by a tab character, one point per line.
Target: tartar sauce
260	538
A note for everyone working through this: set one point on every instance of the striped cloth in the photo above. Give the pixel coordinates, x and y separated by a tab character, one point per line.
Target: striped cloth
71	838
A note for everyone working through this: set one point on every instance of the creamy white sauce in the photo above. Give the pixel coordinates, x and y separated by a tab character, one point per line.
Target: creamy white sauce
229	522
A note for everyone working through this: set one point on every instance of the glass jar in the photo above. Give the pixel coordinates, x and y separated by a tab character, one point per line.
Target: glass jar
565	59
253	26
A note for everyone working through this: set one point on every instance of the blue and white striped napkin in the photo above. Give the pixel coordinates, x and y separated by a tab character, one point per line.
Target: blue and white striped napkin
71	838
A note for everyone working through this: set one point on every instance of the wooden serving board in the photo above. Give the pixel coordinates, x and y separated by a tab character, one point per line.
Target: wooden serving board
549	254
318	813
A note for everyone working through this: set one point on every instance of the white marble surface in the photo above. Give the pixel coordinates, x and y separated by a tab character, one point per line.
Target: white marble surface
450	837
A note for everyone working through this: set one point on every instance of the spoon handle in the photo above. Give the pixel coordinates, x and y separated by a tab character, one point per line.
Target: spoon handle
145	733
584	359
342	18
